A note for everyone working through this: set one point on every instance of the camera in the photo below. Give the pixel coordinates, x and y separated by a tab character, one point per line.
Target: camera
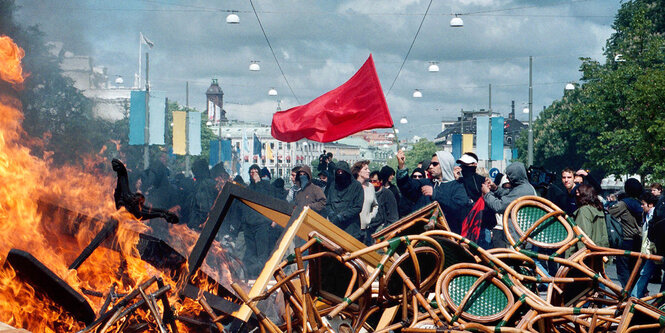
539	177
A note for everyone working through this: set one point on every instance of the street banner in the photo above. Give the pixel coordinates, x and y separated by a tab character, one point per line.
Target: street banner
457	146
157	117
269	154
467	143
194	133
179	132
482	137
497	138
137	117
257	146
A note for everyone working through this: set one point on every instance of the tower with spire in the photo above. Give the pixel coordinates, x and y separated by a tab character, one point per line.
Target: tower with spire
215	105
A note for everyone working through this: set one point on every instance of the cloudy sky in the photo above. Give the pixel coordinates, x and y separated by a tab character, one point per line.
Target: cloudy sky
319	44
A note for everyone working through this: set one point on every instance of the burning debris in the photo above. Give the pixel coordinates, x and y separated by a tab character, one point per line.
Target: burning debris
73	262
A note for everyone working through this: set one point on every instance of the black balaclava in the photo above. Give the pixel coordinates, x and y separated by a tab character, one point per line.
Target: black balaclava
468	169
342	180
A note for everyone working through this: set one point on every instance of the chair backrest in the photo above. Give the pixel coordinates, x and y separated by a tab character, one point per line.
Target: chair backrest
537	221
483	297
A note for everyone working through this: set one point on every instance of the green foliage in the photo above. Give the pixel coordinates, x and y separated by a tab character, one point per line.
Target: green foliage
422	150
611	122
54	110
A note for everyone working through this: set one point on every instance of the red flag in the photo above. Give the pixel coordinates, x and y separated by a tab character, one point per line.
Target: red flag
357	105
473	221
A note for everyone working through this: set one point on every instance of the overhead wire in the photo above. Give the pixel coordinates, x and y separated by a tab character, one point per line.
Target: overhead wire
273	52
410	47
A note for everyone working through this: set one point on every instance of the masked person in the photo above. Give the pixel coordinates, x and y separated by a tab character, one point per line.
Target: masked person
309	195
344	199
386	213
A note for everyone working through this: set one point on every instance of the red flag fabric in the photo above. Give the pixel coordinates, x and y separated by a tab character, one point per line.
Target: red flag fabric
473	221
357	105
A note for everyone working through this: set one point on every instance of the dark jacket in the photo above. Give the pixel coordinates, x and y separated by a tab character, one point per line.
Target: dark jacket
559	196
473	182
629	212
344	203
449	193
250	216
312	195
516	173
387	213
411	198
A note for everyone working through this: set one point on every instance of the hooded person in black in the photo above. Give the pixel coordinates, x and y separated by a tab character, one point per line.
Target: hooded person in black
344	200
204	195
257	228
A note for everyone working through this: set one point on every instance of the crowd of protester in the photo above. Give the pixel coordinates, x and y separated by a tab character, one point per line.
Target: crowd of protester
361	202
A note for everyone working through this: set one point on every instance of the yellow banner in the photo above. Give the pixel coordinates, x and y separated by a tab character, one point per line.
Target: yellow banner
179	132
467	143
269	152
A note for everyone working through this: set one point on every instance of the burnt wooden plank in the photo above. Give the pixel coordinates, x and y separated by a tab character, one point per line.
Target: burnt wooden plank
33	272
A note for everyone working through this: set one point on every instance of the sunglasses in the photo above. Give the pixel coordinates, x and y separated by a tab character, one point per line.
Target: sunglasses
417	176
433	164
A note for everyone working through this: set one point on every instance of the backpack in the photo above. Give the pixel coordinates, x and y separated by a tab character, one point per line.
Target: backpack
614	230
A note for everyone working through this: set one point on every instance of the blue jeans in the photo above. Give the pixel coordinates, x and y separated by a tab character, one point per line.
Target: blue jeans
485	239
625	263
643	280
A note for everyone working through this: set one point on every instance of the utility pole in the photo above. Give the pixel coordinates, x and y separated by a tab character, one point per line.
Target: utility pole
530	152
187	128
146	128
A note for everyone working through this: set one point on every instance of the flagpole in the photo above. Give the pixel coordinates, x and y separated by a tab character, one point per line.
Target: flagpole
146	129
396	138
140	54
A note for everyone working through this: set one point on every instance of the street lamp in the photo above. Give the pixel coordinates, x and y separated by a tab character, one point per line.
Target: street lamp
232	19
417	94
570	86
254	66
403	120
272	92
456	22
433	67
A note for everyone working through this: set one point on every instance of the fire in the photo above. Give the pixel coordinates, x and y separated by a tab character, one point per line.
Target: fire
38	214
10	66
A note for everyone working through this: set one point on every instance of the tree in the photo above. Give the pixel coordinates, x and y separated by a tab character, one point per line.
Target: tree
422	150
610	122
54	110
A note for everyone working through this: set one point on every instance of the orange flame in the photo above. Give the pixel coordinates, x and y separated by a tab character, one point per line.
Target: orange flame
10	66
56	240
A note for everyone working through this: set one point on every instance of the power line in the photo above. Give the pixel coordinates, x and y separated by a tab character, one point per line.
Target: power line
410	47
273	52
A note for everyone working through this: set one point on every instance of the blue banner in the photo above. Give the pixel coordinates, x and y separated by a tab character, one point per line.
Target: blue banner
257	146
194	133
216	156
483	137
137	118
157	117
214	152
515	156
497	138
457	146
